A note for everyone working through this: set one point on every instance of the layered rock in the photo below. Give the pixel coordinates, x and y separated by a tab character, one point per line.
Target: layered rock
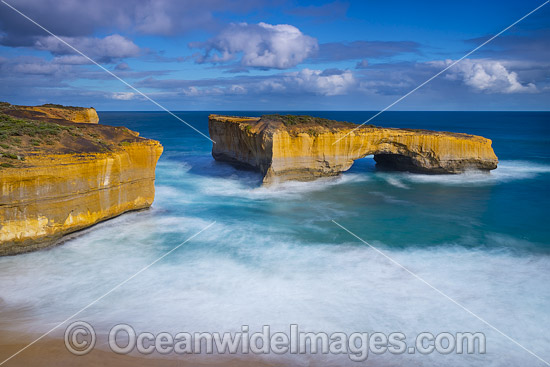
304	148
77	176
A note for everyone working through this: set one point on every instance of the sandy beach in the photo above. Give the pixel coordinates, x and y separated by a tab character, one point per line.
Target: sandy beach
52	352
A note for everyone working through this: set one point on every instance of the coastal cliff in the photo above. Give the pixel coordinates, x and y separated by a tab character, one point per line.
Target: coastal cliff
304	148
52	112
63	176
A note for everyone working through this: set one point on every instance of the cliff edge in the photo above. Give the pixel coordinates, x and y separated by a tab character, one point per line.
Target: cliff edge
51	112
58	176
304	148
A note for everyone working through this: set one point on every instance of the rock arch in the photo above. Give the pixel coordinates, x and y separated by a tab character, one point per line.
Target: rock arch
310	148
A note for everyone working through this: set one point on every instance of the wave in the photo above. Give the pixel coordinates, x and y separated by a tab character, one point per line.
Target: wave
394	181
212	179
224	180
254	275
255	266
507	171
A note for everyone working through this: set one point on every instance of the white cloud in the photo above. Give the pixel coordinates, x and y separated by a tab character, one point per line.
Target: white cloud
99	49
489	76
214	91
195	92
237	89
123	96
71	60
327	83
36	66
261	45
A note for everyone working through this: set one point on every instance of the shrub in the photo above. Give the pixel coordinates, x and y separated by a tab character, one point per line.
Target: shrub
312	132
10	126
9	155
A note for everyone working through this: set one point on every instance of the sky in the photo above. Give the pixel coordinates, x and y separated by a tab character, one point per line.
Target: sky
276	54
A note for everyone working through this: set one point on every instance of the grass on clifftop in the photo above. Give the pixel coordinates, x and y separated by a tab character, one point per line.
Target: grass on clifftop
53	105
291	120
13	130
17	134
18	137
307	121
10	126
7	105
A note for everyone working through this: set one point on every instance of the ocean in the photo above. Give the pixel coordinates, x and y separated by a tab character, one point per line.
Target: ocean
275	257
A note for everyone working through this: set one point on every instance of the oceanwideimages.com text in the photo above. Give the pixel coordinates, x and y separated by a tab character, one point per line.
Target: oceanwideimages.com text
80	338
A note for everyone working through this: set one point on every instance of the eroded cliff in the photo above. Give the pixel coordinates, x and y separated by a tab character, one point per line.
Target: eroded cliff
52	112
304	148
60	177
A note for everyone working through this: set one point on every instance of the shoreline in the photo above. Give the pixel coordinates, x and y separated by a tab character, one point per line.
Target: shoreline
51	351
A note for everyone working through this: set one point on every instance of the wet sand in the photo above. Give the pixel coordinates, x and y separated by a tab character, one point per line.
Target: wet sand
52	352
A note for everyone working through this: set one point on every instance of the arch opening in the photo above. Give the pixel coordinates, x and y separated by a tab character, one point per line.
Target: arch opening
395	162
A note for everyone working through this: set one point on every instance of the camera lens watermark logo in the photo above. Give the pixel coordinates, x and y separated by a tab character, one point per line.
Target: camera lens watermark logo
80	338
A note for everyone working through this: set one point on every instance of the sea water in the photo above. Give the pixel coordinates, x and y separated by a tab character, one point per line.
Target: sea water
275	257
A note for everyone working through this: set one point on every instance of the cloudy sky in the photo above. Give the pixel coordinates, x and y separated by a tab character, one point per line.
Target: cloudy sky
276	54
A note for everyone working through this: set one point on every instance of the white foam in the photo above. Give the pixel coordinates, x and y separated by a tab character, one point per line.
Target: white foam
216	179
249	271
256	275
506	171
394	181
251	188
390	199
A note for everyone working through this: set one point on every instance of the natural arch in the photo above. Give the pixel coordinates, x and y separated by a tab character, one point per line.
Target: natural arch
316	148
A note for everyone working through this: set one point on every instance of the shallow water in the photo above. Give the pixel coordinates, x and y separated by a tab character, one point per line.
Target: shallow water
275	257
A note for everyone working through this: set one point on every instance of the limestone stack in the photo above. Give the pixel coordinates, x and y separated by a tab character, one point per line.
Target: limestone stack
304	148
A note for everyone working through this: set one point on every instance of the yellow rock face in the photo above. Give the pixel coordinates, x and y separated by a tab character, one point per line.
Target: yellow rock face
304	151
62	193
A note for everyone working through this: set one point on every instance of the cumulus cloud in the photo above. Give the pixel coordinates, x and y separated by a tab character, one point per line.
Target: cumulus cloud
123	96
76	18
330	82
40	68
489	76
105	50
213	91
71	60
33	66
259	45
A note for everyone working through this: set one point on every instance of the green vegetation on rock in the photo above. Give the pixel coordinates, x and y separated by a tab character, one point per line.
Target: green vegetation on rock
307	121
10	127
21	136
53	105
12	130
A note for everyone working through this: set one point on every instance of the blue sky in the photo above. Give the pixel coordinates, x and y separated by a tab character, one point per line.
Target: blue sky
283	55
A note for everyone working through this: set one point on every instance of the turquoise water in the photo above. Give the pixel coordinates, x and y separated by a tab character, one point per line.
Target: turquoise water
275	257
